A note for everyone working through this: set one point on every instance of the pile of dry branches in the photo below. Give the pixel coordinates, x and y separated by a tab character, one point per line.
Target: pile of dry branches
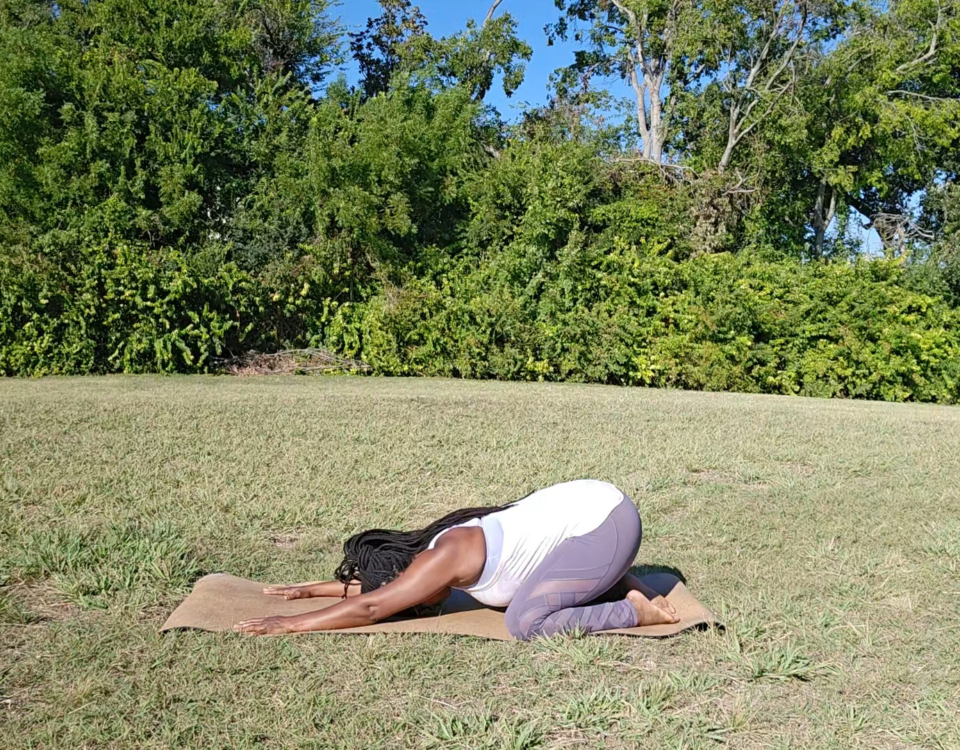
289	362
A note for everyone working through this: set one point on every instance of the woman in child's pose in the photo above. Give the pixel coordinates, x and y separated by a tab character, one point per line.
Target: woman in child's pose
546	558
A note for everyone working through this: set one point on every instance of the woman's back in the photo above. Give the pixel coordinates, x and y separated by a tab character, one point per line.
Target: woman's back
520	536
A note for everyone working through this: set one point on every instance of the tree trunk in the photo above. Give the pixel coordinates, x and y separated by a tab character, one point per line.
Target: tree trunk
822	217
657	125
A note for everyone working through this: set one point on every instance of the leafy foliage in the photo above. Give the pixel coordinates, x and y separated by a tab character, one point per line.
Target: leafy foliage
121	309
179	182
634	317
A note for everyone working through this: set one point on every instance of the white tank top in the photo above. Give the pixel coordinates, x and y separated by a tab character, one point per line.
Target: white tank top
521	536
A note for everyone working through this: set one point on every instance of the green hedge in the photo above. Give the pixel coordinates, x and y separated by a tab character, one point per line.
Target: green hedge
120	309
632	316
626	314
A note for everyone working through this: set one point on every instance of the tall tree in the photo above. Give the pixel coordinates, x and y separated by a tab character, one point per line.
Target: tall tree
639	41
397	41
878	120
899	79
737	57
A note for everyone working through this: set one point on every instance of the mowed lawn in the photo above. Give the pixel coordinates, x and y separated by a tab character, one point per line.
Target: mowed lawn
826	534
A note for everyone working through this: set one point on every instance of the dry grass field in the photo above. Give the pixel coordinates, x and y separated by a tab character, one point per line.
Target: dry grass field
826	533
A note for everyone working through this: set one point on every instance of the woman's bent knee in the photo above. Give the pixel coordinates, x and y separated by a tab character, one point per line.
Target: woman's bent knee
519	629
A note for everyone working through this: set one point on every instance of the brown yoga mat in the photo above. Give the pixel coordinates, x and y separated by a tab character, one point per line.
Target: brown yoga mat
219	601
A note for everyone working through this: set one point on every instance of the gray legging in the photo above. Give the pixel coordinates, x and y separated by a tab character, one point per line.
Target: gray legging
578	571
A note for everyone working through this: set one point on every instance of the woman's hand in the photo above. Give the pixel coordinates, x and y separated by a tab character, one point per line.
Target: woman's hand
428	578
265	626
291	592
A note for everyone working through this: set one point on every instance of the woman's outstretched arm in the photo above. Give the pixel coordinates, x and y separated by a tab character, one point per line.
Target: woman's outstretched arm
429	575
314	588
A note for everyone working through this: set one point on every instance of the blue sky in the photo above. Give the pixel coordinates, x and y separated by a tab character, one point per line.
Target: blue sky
445	18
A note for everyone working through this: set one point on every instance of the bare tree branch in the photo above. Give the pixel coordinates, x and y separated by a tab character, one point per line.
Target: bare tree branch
490	12
788	57
641	108
897	231
931	50
765	52
741	121
650	120
725	84
923	96
631	16
823	216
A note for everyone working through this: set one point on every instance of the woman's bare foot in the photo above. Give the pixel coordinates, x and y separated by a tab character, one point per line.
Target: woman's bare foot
656	611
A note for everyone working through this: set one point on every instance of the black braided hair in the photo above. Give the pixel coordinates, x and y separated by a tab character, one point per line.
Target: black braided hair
376	557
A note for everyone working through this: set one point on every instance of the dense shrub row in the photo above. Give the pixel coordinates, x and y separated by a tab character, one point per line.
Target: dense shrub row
631	316
624	314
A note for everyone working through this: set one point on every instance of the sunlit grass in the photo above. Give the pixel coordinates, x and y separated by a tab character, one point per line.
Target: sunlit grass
826	534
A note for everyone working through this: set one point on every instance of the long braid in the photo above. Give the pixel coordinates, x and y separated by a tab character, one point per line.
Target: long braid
378	556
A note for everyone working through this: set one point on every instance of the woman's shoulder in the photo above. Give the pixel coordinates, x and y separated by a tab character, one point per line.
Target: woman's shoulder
454	531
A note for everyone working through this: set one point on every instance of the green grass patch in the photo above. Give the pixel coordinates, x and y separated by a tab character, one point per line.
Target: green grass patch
824	532
89	565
